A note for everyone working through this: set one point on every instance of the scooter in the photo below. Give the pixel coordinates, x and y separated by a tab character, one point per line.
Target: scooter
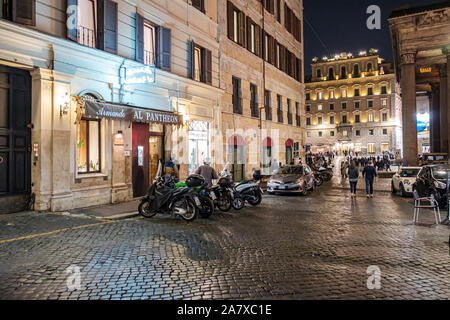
163	198
205	195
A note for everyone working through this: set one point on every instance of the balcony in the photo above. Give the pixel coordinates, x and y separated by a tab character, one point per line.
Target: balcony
86	37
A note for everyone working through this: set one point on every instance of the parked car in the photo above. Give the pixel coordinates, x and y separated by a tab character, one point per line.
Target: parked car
292	179
434	158
404	179
432	180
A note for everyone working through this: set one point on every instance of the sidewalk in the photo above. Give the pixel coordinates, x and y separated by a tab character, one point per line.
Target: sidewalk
114	211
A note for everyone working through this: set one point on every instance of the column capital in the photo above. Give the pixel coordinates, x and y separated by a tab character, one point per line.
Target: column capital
408	58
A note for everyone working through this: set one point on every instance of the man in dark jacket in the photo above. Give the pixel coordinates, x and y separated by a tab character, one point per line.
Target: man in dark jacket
207	172
369	173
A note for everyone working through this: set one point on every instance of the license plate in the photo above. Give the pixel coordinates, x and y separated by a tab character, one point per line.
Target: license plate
212	195
197	201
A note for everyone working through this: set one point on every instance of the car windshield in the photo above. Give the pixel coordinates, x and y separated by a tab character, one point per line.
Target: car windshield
290	170
409	172
440	173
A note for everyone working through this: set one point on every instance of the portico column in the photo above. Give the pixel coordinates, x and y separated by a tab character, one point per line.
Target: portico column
408	84
443	108
434	119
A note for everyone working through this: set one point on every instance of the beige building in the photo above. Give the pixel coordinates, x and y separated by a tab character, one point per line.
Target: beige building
353	105
261	73
421	43
149	71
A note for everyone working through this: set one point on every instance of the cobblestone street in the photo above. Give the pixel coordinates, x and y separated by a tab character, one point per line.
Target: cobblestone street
291	247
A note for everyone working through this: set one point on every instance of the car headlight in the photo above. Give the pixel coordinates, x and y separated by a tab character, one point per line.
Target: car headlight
439	185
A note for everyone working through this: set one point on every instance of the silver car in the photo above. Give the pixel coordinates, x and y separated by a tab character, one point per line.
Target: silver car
291	179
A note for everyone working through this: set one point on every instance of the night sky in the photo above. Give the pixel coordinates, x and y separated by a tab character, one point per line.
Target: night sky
341	25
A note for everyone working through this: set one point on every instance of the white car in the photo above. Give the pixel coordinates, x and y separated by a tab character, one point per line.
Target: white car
404	179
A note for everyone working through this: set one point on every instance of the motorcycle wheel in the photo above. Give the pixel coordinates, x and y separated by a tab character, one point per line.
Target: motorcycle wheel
224	203
144	209
238	203
206	208
318	181
257	201
188	205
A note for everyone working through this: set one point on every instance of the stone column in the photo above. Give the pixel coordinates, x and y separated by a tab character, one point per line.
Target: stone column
435	133
408	84
443	109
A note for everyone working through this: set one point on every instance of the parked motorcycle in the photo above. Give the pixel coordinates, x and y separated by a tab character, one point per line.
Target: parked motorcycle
164	199
205	195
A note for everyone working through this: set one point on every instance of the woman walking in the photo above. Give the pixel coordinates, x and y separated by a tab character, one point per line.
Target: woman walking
353	174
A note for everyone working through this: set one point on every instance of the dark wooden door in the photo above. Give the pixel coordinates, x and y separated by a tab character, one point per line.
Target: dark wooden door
140	154
15	139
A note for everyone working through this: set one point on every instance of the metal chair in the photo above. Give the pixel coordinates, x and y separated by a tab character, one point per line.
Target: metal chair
432	203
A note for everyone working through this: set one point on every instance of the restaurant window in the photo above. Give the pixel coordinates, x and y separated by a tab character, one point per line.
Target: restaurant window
268	104
384	147
88	146
199	4
371	147
254	100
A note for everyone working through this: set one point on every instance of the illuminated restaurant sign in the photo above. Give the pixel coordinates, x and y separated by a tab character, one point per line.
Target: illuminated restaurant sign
122	112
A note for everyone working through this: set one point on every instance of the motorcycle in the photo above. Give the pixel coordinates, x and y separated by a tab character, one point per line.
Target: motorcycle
164	199
205	195
318	180
246	191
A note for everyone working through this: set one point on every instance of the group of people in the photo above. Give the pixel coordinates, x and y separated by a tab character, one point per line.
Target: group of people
352	171
322	159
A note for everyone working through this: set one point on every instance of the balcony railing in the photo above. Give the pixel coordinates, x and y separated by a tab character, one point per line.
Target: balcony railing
86	36
149	57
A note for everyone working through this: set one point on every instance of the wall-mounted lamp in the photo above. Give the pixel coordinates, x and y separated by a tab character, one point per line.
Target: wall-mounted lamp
65	105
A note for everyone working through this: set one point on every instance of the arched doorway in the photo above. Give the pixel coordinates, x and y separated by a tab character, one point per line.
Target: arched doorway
289	151
267	156
236	153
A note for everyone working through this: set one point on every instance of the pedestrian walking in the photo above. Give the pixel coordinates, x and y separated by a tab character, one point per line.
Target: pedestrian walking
369	174
353	175
207	172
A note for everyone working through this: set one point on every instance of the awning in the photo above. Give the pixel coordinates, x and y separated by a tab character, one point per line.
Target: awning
267	142
289	143
95	109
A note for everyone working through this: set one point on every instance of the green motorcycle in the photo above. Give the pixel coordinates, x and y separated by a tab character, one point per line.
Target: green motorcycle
206	196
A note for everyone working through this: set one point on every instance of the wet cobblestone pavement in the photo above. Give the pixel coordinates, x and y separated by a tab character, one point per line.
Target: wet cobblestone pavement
291	247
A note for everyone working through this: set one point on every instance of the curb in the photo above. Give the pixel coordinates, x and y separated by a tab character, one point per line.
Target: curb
120	216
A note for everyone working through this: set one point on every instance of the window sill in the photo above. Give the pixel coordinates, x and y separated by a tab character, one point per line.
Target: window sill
90	175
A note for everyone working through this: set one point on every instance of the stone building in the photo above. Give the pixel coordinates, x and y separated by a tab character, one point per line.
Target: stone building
421	43
94	92
261	73
353	104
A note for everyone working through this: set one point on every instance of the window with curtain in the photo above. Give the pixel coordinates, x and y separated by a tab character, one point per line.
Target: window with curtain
149	43
88	146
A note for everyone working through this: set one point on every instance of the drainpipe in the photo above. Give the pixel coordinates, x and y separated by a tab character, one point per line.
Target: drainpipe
264	89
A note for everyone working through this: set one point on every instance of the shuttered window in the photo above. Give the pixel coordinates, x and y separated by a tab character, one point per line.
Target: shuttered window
268	105
163	59
237	96
236	24
201	63
199	4
23	11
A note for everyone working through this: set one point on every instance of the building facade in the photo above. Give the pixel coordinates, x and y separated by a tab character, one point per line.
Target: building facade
353	105
93	93
421	43
261	74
